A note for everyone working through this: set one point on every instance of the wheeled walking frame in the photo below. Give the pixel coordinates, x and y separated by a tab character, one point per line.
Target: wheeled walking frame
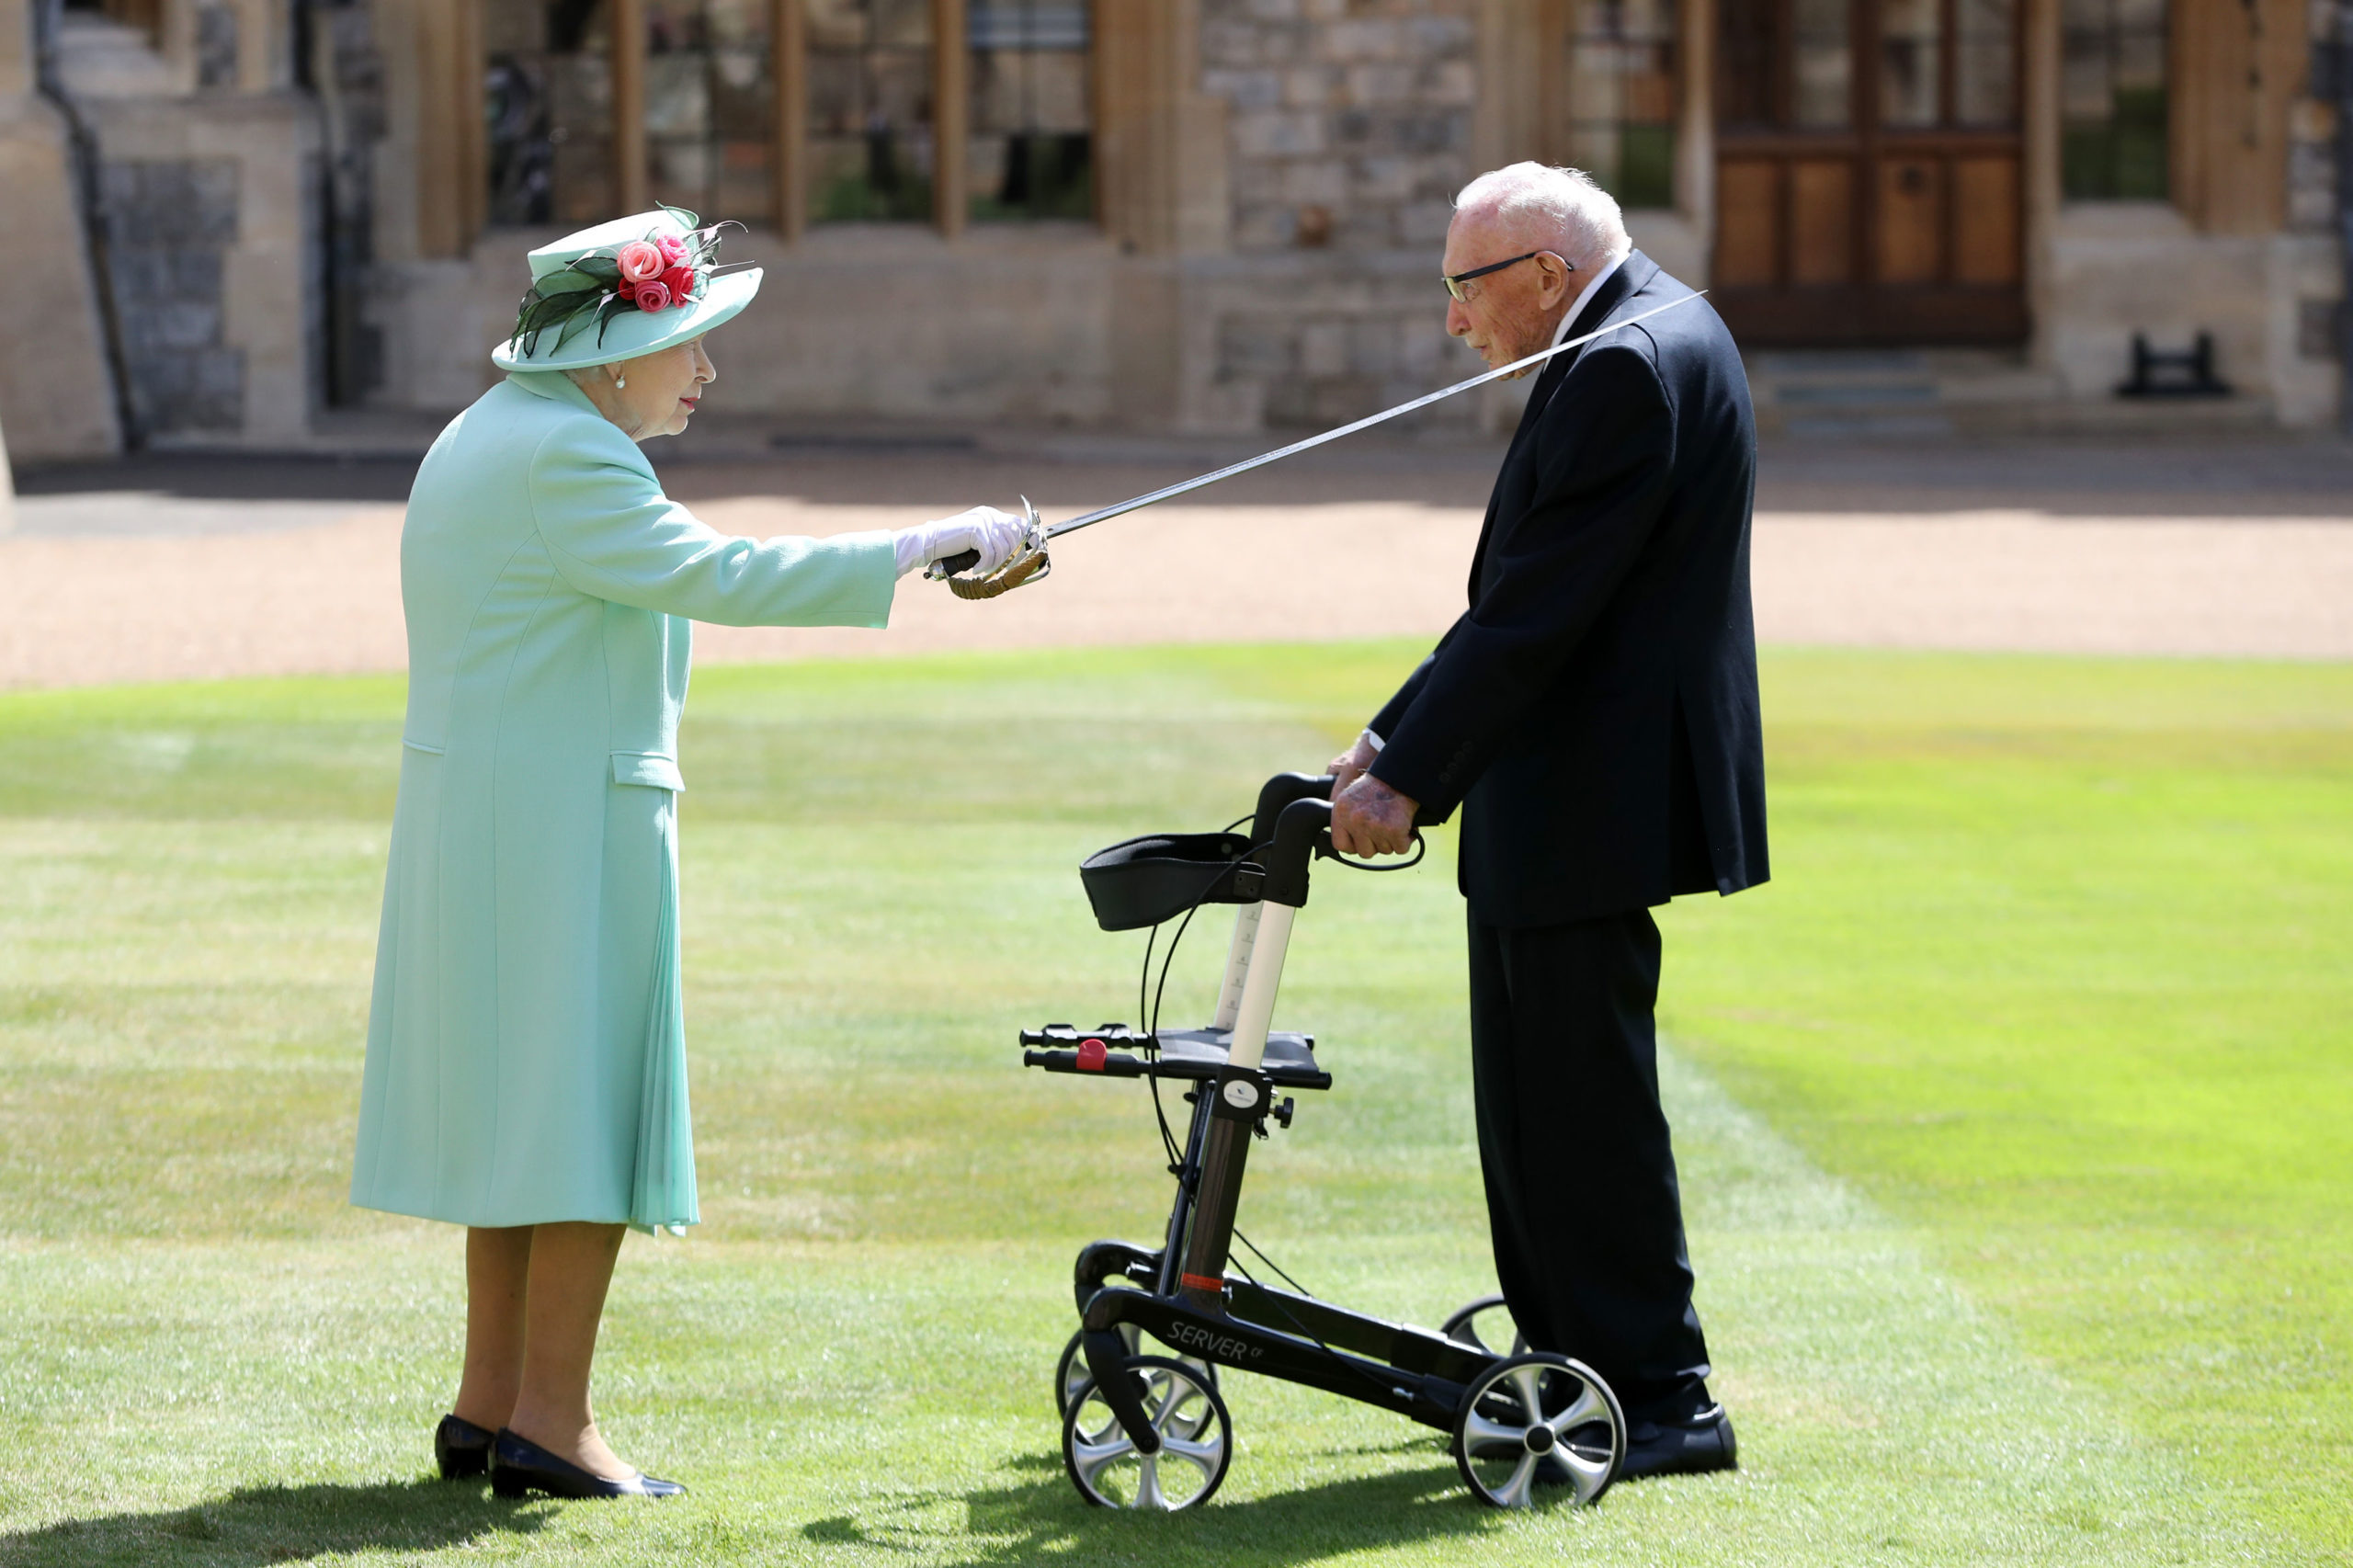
1517	1418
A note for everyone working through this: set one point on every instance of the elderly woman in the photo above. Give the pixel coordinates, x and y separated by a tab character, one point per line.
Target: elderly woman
526	1073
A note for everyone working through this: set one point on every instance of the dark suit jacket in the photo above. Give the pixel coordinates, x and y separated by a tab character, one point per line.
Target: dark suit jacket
1595	712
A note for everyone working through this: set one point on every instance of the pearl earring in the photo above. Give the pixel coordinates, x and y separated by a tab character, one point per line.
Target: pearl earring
620	381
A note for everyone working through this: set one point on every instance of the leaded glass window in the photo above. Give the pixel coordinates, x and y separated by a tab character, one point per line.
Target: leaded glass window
1985	55
1030	152
2113	111
1621	97
548	112
871	149
1822	62
709	99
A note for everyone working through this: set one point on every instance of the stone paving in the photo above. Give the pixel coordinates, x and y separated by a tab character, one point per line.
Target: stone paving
164	568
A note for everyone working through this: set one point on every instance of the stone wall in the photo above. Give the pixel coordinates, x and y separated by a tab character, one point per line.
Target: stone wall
1350	123
56	390
214	202
1340	338
203	200
170	222
1350	127
857	321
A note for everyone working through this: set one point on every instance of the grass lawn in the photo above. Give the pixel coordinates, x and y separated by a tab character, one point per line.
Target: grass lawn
2014	1119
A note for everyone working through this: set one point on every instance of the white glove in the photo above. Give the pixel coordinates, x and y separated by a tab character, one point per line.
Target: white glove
996	534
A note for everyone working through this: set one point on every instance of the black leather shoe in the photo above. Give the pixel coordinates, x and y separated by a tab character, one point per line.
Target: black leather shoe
462	1448
1689	1445
519	1465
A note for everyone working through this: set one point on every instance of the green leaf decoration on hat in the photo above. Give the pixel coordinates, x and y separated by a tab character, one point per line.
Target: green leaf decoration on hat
571	280
590	288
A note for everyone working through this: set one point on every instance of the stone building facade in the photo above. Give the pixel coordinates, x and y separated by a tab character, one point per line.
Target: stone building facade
170	165
1196	215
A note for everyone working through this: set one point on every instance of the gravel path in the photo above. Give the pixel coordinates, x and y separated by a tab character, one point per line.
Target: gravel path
171	569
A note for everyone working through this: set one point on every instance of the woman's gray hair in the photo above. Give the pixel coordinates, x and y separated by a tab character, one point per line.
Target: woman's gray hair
1557	209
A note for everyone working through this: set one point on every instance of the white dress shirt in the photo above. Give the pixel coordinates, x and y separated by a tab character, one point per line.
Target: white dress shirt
1561	332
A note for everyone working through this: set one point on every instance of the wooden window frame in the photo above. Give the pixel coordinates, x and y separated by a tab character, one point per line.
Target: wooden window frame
2181	88
1525	101
1555	21
788	148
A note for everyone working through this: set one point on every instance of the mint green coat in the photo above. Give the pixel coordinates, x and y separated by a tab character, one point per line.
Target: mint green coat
526	1047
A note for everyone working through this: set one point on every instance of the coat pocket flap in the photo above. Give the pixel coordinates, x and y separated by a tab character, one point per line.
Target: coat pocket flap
647	767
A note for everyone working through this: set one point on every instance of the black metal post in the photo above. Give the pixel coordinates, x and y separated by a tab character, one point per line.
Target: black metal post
1202	1283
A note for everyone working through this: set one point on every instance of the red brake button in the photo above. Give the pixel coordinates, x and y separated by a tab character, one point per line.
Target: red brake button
1091	1053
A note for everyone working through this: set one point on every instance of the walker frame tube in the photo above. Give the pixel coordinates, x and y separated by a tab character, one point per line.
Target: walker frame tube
1262	975
1249	1326
1182	1295
1237	963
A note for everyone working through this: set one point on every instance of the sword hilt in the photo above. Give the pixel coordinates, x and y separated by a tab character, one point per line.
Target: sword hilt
1027	565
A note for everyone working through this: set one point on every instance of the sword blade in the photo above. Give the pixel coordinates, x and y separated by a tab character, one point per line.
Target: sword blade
1138	503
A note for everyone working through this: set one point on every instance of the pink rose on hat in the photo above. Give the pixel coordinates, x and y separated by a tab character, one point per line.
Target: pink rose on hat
641	261
576	295
653	273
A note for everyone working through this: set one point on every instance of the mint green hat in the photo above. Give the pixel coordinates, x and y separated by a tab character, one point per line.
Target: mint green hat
584	309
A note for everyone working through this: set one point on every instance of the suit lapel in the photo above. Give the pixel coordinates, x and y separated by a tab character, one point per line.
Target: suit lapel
1632	276
1632	273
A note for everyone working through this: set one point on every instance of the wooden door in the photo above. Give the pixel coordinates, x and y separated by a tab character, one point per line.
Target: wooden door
1867	180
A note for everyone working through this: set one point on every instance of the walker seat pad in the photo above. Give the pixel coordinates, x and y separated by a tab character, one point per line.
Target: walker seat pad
1143	881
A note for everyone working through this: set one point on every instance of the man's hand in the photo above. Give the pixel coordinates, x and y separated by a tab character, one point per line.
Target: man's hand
1370	818
1346	768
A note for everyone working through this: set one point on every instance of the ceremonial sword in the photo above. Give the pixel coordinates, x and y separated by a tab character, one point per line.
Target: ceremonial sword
1030	563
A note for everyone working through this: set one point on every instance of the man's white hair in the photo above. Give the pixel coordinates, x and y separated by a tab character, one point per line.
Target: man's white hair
1559	209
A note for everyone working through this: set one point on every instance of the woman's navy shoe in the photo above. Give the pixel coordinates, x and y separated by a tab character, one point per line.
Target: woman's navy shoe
519	1465
462	1448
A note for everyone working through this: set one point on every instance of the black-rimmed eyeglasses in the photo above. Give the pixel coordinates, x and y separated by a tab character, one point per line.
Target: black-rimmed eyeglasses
1455	281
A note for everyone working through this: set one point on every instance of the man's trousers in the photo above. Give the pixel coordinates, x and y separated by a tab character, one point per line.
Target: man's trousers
1581	1191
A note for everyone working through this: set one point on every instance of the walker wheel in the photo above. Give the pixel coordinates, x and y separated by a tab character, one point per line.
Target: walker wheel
1487	1325
1071	1372
1535	1420
1195	1442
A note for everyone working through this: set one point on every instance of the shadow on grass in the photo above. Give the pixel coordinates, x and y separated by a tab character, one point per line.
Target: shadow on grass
279	1524
1043	1520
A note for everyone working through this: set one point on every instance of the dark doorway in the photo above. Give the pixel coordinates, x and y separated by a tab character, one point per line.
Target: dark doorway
1868	184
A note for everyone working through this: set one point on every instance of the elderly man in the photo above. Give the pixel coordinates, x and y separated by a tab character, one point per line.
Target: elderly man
1595	714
